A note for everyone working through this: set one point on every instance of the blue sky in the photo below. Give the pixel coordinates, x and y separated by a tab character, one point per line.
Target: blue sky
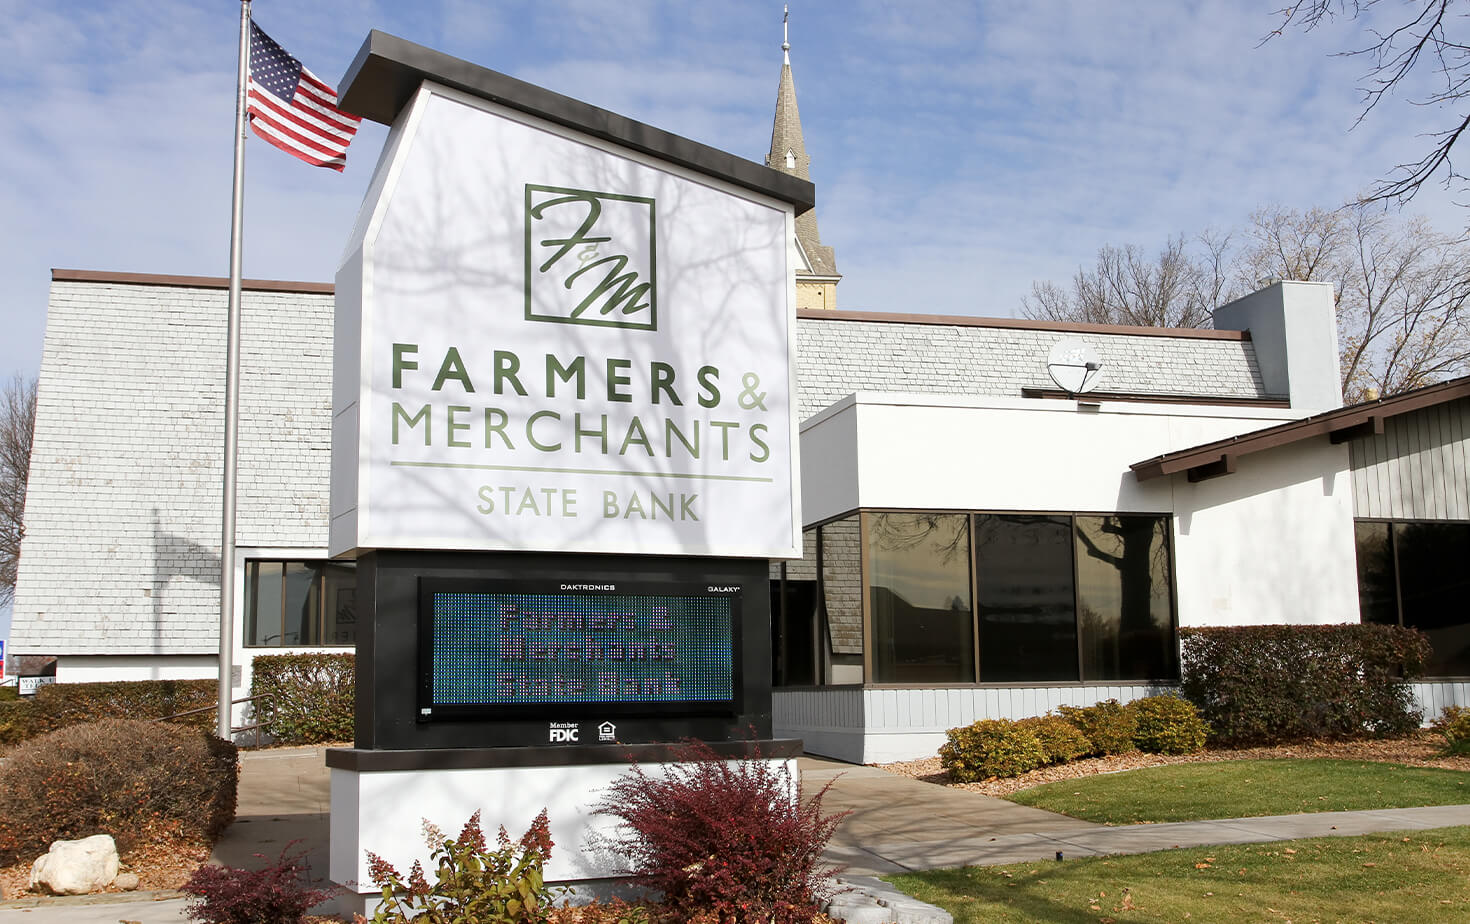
960	150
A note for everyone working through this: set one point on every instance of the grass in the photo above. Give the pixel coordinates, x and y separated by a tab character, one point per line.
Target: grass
1413	876
1247	788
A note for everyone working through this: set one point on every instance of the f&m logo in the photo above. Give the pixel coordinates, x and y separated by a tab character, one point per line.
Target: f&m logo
591	258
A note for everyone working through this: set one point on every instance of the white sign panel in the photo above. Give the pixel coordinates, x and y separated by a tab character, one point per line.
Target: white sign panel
549	343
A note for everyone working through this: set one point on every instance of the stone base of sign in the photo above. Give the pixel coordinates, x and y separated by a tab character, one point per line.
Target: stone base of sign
381	799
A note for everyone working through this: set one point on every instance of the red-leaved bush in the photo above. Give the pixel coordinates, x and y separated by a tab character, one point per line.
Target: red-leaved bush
725	837
279	893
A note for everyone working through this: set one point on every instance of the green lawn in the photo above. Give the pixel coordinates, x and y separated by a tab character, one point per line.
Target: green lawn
1403	877
1246	788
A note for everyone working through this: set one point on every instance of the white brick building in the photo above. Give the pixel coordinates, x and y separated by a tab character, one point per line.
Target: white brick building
950	423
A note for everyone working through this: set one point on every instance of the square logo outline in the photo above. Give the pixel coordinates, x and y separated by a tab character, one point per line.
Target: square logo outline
530	271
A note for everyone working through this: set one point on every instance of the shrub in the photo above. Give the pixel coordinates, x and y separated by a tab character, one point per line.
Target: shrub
19	720
305	698
1061	741
279	893
471	883
1269	684
63	704
1109	726
990	747
127	778
1167	725
1455	726
728	837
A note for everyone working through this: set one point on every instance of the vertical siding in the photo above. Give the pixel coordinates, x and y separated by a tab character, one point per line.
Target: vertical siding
1433	697
1417	469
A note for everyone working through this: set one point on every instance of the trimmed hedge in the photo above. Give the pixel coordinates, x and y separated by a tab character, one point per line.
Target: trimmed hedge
990	747
305	698
1269	684
131	779
1061	740
1454	725
1108	725
62	705
1167	725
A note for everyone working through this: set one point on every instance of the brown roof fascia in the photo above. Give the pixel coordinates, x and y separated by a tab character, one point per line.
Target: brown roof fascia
190	282
1032	391
1218	458
1068	327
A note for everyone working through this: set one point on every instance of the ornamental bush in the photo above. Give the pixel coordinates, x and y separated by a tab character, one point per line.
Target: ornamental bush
991	747
305	698
1167	725
1454	725
1258	685
127	778
278	893
728	838
1109	726
1060	740
472	883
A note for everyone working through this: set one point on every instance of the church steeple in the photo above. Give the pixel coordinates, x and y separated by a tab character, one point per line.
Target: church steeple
816	283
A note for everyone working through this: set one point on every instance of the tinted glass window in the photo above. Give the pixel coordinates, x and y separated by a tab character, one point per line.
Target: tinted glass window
1434	585
1124	609
919	590
263	603
340	586
1025	600
1377	588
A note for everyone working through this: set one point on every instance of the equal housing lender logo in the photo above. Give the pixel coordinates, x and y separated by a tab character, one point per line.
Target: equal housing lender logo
591	258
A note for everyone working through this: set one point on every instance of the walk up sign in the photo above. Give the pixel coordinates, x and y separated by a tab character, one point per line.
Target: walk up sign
559	330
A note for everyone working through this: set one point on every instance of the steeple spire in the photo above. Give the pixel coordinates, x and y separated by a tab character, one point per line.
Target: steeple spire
788	154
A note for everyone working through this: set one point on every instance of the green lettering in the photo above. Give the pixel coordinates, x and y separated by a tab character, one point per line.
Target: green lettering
555	370
663	381
422	415
401	350
453	368
616	377
455	426
506	367
531	437
709	389
641	439
755	431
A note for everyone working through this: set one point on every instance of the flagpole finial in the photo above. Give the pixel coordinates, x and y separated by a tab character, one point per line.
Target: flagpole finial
786	32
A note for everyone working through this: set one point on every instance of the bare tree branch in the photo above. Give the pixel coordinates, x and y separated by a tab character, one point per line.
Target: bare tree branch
1423	39
17	422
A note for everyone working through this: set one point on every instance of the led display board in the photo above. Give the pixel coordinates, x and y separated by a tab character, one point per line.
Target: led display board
533	647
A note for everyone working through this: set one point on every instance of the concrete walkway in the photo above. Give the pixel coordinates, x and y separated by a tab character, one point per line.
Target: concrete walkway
896	825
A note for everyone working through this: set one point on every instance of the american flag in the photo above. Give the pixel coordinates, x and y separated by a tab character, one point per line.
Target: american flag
294	110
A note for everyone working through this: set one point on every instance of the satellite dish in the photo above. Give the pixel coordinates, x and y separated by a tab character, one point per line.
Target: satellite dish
1074	366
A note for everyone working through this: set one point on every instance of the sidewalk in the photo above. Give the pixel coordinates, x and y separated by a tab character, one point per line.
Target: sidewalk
897	825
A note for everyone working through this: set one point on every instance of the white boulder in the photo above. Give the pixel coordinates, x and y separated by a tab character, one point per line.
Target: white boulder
76	867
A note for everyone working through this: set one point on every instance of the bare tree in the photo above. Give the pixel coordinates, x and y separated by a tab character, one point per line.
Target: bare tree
1178	288
1426	36
1401	290
17	423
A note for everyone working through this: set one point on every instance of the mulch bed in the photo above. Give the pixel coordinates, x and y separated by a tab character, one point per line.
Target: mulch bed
1421	749
160	864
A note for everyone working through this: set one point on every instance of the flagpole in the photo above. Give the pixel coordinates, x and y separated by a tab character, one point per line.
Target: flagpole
232	397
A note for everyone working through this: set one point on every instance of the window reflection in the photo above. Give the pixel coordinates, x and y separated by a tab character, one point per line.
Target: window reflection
1025	603
300	603
1377	583
1124	610
919	590
1434	585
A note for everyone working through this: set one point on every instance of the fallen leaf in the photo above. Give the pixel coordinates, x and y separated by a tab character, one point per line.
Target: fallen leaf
1201	866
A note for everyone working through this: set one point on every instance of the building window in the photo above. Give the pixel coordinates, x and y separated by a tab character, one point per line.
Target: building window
1025	598
919	592
1414	574
300	604
1125	601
